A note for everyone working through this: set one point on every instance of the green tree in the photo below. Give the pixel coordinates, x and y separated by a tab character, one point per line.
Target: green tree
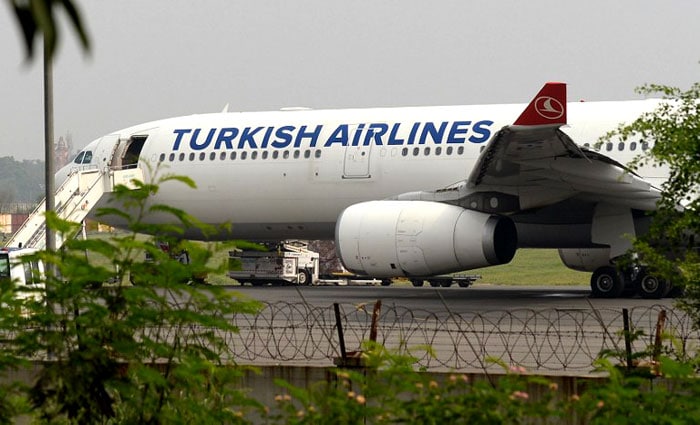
671	245
38	17
151	353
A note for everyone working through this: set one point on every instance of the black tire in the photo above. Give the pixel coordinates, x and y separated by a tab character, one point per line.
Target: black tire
386	282
651	287
606	282
464	283
434	283
417	282
445	283
304	278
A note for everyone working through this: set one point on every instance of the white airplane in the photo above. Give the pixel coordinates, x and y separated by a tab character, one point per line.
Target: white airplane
415	191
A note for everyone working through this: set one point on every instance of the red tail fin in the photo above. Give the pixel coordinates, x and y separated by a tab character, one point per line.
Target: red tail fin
548	107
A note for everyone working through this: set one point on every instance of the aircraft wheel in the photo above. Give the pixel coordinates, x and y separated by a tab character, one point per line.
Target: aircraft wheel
464	284
304	278
446	283
417	282
433	283
606	282
386	282
651	287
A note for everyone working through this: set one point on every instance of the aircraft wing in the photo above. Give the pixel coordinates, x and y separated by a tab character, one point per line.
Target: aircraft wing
533	164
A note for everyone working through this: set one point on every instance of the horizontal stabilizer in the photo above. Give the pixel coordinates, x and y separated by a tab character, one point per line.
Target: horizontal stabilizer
548	107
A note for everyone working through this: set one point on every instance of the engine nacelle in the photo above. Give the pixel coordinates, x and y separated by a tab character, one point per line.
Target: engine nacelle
419	238
585	259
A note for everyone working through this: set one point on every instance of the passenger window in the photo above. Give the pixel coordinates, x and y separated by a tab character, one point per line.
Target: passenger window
307	154
460	150
275	154
296	154
621	146
416	151
426	151
192	156
609	146
222	156
317	154
202	155
244	155
254	155
182	156
645	145
265	154
212	156
633	146
586	145
285	154
438	150
172	157
233	155
481	149
404	152
449	150
162	157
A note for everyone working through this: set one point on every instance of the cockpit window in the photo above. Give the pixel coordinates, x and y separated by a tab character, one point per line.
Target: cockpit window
83	157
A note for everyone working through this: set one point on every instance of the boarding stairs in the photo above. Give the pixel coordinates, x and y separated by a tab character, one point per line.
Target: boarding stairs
74	200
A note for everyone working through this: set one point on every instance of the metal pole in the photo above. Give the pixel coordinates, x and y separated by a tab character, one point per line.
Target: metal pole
48	143
341	337
628	338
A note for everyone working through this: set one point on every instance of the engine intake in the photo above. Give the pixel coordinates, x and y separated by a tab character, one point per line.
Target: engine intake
419	238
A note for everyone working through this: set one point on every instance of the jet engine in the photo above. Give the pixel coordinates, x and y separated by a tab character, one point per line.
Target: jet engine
419	238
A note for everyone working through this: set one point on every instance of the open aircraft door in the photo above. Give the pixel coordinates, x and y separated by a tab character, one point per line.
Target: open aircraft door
105	149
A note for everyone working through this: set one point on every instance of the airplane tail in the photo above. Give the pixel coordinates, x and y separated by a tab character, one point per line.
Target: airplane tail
548	107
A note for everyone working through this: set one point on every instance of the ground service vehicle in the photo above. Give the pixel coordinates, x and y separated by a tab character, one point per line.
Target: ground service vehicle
289	263
27	275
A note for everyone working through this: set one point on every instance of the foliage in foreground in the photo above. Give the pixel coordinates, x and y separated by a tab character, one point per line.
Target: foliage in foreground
121	353
390	391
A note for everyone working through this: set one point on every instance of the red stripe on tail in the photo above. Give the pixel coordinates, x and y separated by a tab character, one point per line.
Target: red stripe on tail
548	107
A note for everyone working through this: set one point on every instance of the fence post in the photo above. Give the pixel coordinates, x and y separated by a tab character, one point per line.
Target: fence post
341	337
660	323
628	340
375	320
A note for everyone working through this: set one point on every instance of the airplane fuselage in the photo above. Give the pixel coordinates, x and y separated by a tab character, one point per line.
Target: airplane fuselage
289	174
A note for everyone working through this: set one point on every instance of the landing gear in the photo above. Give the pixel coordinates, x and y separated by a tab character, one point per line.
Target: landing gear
651	287
417	282
607	282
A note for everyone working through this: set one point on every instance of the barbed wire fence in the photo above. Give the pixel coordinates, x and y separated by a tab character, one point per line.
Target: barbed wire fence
554	340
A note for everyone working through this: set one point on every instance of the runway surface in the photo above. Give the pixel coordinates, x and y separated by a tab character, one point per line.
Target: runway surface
477	298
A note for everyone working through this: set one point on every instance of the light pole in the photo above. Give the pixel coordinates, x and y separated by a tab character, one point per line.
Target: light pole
48	143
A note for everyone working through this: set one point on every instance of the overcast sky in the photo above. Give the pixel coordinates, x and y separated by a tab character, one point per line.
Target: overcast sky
159	58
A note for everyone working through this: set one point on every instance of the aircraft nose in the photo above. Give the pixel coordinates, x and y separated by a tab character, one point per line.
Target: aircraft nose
61	175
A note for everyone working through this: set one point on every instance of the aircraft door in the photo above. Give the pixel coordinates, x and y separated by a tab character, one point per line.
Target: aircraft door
104	150
356	164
